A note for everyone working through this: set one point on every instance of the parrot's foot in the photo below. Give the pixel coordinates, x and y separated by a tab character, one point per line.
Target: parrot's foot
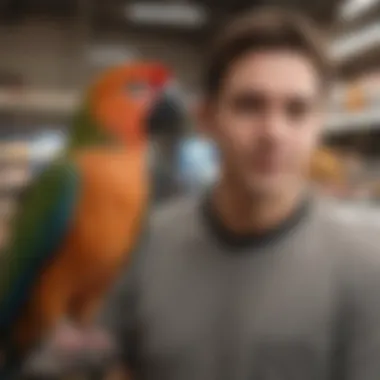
71	347
67	337
60	352
71	338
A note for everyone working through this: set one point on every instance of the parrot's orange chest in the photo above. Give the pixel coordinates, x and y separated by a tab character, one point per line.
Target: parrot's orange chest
111	208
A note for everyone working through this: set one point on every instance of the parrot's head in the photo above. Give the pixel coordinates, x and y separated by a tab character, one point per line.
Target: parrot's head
136	100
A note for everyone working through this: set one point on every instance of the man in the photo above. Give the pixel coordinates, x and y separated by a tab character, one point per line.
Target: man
256	280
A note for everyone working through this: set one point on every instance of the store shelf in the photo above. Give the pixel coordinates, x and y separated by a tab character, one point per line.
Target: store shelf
356	43
353	121
39	100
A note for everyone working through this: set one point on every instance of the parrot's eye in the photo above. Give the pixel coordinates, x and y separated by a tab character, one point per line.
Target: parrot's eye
137	89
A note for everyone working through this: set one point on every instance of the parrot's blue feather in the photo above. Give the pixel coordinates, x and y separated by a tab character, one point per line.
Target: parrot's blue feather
41	243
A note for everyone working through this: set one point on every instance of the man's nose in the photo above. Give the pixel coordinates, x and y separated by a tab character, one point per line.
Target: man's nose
274	126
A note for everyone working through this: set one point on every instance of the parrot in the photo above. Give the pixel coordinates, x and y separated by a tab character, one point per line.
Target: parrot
81	218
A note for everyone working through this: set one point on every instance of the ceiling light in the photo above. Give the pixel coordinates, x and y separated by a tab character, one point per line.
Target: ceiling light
175	14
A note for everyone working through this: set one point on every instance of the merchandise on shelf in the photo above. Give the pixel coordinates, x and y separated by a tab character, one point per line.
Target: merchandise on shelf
14	177
197	163
14	151
45	146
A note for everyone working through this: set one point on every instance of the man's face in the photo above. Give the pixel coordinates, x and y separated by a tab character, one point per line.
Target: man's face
266	119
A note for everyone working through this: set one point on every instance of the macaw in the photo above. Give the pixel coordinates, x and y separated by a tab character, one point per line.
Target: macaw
81	218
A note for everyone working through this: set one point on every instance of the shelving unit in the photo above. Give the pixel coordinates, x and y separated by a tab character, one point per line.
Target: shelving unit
14	175
18	161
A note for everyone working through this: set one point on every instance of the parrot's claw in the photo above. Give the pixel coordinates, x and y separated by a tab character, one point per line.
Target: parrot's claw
71	347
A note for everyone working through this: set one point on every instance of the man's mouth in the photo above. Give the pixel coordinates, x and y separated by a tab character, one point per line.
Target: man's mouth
266	165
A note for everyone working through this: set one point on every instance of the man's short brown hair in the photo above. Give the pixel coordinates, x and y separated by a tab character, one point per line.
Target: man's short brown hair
265	29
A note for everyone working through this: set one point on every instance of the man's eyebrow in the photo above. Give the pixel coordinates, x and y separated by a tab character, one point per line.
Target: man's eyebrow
270	94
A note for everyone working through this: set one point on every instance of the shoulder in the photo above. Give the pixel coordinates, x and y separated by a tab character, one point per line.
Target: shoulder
348	229
354	243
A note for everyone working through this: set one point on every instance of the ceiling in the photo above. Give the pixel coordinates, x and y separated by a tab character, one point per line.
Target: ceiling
14	10
108	16
112	10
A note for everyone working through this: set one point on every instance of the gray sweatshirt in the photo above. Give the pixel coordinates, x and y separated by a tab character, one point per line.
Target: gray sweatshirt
300	303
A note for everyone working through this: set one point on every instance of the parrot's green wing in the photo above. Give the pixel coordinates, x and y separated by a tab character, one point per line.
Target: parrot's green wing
44	217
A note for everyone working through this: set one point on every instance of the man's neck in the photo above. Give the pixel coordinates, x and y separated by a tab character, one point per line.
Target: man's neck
243	213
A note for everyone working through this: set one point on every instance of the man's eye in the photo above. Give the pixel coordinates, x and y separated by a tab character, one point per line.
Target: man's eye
297	109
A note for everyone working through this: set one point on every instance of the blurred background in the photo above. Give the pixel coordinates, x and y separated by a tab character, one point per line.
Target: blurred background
50	49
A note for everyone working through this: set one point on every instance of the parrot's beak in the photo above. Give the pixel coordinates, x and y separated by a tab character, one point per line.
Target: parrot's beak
168	115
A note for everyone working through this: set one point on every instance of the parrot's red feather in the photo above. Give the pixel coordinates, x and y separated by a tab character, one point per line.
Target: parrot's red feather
160	76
